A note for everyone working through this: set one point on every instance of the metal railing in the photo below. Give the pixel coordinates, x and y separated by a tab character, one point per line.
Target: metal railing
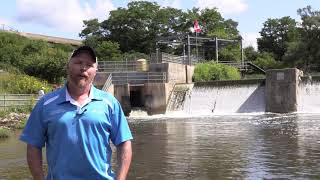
239	65
117	66
138	78
9	100
170	58
108	83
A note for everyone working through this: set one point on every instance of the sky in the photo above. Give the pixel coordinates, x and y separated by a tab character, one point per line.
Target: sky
64	18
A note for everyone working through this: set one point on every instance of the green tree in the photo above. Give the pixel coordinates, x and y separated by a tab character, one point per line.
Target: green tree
138	27
230	53
250	54
276	34
267	61
309	46
33	57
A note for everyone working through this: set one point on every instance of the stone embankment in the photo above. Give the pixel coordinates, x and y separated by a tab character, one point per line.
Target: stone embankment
13	120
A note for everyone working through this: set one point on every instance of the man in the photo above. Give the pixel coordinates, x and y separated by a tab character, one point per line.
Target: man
41	93
76	123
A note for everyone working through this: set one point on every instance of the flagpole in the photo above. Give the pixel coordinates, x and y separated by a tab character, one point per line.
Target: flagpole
197	44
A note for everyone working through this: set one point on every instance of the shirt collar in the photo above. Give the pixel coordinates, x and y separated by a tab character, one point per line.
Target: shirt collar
65	96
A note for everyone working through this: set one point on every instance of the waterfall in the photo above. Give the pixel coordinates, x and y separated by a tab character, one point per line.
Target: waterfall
309	97
225	99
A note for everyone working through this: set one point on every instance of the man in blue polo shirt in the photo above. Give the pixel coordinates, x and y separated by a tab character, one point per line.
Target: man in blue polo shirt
76	124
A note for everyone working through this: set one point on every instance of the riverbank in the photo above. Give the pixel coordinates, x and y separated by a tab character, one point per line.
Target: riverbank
11	122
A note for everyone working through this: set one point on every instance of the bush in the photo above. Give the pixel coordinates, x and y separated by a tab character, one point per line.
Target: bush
267	61
214	71
4	133
16	109
21	84
33	57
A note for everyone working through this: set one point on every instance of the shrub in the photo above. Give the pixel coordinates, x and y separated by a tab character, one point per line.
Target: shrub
214	71
16	109
267	61
4	133
21	84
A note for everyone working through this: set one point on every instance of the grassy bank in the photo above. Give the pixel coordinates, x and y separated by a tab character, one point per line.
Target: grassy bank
4	133
13	118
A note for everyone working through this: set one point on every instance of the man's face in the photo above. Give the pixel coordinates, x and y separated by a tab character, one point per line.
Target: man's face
81	70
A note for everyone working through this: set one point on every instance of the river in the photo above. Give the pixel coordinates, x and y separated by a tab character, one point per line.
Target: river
249	146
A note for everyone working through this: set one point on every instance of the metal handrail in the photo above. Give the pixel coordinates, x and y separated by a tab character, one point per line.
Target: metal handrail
118	66
108	83
139	78
165	57
7	100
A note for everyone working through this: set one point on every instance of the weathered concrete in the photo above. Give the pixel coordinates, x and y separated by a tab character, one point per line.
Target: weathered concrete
176	73
282	90
156	97
189	73
122	93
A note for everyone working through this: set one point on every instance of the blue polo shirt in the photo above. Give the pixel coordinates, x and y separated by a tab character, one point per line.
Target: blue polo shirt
77	139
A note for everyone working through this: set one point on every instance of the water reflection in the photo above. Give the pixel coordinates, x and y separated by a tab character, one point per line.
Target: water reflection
221	147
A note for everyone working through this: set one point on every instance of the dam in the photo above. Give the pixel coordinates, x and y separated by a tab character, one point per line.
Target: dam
167	87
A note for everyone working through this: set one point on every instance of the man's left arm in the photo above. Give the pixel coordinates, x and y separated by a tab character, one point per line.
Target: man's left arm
124	155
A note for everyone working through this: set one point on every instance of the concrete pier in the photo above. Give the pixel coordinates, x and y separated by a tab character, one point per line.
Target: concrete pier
282	90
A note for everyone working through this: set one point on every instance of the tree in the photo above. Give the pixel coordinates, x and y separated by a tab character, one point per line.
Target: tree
310	38
250	54
33	57
266	60
138	27
276	34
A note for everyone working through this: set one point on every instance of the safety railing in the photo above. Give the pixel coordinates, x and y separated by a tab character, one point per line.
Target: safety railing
138	78
9	100
117	66
170	58
108	83
239	65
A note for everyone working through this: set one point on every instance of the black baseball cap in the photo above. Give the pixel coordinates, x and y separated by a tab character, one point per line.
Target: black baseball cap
85	49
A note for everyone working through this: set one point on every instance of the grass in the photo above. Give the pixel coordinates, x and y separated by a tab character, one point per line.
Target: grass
15	109
4	133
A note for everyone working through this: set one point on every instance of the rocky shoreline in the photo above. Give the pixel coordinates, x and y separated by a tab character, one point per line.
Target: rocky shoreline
13	121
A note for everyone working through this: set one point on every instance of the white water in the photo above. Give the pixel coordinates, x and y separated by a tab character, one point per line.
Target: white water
236	100
225	99
309	97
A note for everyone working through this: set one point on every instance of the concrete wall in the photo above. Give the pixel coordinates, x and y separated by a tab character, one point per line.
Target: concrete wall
176	73
156	97
282	90
122	93
190	71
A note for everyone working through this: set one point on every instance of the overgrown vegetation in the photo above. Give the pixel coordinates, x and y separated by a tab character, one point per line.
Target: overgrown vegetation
137	27
21	84
214	71
33	57
4	133
17	109
286	43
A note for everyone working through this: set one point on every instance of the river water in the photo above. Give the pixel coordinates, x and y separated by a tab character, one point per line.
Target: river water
250	146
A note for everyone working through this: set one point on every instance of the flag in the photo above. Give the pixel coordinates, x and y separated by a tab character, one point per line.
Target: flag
196	27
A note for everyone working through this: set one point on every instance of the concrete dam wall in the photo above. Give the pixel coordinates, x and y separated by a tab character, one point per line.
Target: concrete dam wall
284	92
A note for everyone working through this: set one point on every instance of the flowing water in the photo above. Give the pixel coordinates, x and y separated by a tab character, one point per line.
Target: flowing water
221	133
209	147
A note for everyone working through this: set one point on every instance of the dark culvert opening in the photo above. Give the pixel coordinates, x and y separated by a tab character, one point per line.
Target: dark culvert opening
136	98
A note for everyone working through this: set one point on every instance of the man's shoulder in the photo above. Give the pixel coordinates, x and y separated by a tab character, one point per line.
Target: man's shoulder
104	95
52	96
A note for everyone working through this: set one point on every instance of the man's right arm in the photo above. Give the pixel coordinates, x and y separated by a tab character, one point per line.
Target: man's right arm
34	158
